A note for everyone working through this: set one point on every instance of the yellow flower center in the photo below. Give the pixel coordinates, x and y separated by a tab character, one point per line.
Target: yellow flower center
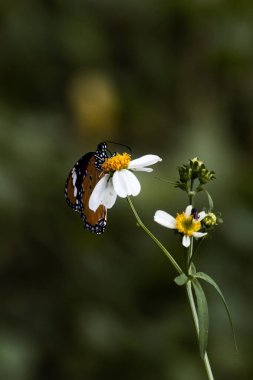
118	162
187	225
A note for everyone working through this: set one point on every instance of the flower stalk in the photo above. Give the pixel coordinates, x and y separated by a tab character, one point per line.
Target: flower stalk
188	285
160	245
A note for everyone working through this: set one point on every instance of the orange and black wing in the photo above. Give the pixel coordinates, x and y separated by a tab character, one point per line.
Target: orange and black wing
79	185
74	183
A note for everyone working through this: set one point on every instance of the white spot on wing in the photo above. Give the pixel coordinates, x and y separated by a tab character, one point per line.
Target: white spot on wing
74	177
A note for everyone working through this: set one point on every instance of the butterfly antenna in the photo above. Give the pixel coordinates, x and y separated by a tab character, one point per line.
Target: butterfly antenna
116	143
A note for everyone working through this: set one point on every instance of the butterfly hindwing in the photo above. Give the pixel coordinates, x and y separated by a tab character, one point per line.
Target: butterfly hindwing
93	221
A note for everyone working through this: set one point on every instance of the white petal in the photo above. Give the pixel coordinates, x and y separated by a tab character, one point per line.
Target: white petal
201	215
97	194
165	219
120	183
188	210
109	195
199	234
134	186
139	163
186	241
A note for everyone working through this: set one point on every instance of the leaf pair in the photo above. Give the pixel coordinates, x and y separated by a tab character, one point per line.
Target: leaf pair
202	306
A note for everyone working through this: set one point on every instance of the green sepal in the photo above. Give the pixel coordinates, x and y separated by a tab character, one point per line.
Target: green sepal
205	277
203	317
192	269
219	218
199	188
181	185
181	279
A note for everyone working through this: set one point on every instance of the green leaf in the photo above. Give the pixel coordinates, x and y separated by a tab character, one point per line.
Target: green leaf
202	316
205	277
181	279
210	201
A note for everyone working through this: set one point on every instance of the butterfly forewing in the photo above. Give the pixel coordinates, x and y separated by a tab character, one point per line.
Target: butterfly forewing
74	183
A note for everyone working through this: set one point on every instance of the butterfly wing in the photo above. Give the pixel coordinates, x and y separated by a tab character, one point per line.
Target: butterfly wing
74	183
79	185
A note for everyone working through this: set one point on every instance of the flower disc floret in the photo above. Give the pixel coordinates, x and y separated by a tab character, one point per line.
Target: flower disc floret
117	162
187	225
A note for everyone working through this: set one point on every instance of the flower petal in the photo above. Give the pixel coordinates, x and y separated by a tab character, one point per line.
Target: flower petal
125	183
139	163
186	241
119	184
198	235
109	195
201	215
134	186
165	219
188	211
97	194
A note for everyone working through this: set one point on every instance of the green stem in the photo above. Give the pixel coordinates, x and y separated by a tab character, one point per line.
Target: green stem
199	243
196	323
191	193
190	255
164	250
190	249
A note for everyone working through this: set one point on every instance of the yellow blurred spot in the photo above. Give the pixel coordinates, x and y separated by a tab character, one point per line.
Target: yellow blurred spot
94	103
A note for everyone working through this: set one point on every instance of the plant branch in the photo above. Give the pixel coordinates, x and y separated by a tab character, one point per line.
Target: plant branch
160	245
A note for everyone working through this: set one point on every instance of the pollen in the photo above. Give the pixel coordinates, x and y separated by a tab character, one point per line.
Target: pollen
187	225
117	162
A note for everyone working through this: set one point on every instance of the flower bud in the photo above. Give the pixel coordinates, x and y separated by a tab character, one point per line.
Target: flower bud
210	220
194	169
196	163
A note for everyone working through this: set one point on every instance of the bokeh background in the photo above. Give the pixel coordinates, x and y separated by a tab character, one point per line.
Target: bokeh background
168	77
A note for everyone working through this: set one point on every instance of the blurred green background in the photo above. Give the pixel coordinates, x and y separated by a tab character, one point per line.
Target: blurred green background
173	78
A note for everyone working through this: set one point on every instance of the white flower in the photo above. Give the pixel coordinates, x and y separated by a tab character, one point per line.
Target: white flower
119	179
187	223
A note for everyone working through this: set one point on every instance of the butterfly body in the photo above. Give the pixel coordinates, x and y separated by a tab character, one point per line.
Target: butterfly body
80	183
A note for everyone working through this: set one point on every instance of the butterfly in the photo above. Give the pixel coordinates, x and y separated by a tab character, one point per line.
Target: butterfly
80	183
